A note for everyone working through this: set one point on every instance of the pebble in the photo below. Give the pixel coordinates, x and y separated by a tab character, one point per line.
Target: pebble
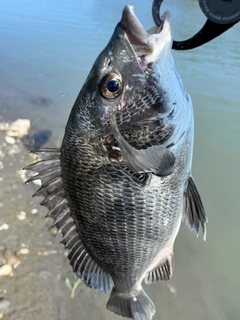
14	150
10	257
23	251
53	230
34	211
5	270
44	253
19	128
1	165
22	175
4	126
5	306
4	226
21	215
172	289
10	140
12	134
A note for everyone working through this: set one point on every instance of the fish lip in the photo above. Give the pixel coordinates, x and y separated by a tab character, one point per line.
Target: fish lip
147	45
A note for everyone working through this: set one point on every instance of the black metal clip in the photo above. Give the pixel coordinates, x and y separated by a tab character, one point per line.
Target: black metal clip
221	16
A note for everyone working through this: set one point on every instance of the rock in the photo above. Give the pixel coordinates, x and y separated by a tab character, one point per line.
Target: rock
4	226
12	134
5	306
5	270
10	140
34	211
1	165
14	150
36	140
4	126
19	128
44	253
22	175
172	289
21	215
53	230
10	257
23	251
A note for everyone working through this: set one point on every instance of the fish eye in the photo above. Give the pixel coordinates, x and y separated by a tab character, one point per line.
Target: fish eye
113	86
110	86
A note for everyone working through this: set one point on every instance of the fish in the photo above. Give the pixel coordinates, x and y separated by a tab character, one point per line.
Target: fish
120	184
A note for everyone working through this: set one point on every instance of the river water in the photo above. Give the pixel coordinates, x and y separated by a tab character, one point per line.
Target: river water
47	48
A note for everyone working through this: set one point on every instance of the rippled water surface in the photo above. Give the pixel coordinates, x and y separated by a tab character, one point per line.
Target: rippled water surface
46	51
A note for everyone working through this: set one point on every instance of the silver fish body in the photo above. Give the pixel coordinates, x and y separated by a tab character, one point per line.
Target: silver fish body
121	183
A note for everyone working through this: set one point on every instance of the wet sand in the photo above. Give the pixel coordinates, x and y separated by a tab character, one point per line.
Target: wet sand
36	288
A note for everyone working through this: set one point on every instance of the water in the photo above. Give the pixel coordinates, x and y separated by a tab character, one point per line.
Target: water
46	51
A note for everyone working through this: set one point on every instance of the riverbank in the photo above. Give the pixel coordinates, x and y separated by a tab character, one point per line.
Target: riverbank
35	277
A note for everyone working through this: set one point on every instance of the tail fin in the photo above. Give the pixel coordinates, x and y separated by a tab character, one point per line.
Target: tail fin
139	307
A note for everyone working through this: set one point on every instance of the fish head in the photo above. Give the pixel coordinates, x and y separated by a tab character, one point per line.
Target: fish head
131	76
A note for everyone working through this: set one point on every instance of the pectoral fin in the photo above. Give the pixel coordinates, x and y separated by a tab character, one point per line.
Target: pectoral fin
157	159
194	213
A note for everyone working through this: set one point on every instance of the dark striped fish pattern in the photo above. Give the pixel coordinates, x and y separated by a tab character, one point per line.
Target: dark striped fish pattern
120	185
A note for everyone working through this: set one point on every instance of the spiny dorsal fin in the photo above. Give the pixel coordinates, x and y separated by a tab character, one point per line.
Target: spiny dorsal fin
49	172
162	272
193	210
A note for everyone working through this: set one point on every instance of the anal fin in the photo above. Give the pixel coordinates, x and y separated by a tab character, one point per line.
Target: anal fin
162	272
193	210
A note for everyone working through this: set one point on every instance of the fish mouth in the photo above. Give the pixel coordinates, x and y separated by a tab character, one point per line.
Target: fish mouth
149	45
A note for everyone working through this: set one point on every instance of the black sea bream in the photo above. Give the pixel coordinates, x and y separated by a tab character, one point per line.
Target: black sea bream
121	183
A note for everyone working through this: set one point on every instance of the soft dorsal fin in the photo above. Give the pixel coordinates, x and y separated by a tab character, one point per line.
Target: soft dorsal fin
49	172
193	210
157	159
162	272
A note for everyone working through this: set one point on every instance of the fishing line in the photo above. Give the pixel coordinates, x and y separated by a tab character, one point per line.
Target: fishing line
62	95
47	110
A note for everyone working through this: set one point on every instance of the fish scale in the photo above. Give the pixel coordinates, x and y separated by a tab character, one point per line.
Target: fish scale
120	220
121	182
